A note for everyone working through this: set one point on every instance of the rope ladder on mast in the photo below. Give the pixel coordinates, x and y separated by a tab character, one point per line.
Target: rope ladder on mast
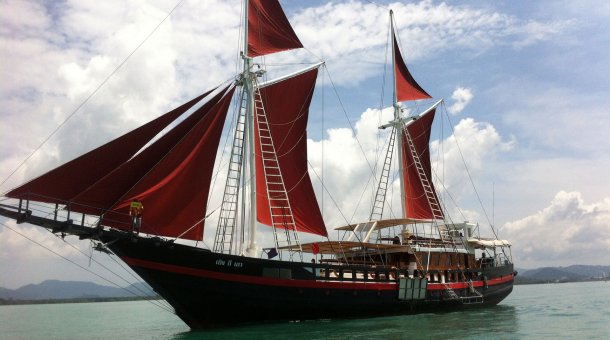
227	220
279	204
382	188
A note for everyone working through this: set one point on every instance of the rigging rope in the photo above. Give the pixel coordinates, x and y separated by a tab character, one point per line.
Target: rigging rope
92	93
79	265
469	175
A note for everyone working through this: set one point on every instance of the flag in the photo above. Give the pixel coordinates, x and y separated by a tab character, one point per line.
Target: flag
315	248
271	253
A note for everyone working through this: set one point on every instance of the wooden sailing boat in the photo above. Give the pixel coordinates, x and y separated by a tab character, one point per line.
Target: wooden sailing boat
429	264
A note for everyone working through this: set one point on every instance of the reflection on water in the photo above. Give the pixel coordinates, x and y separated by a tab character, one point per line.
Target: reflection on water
569	310
497	321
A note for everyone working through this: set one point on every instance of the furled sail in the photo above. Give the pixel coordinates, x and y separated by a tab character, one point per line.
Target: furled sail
417	200
268	29
406	86
68	180
286	105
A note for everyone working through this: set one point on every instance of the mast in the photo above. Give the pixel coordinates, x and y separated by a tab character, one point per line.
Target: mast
396	106
248	84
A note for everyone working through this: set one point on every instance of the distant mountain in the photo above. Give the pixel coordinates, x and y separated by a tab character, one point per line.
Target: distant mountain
588	271
553	274
55	289
562	274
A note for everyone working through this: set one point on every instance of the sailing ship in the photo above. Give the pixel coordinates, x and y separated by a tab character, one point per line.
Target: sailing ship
418	262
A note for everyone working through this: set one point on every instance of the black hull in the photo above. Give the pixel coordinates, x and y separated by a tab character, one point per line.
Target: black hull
210	290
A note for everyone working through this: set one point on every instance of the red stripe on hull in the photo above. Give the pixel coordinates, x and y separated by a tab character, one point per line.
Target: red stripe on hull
322	284
464	285
258	279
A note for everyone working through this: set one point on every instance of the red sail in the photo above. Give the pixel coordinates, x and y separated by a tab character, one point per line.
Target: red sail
287	107
268	29
417	205
68	180
109	190
174	191
406	86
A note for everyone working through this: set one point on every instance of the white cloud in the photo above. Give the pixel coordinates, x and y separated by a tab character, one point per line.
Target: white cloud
473	143
54	56
534	32
567	231
60	53
461	97
351	36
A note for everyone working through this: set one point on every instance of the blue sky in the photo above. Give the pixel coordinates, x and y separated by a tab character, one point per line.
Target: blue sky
534	80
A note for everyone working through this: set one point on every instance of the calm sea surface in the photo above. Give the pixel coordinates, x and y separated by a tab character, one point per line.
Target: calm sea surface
569	310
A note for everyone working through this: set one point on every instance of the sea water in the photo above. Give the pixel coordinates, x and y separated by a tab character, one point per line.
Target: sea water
567	310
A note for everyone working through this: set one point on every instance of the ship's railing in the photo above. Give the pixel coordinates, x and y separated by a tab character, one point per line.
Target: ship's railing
59	211
435	243
389	274
498	260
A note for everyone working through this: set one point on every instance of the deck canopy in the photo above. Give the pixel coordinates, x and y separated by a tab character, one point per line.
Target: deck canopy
381	224
480	243
339	247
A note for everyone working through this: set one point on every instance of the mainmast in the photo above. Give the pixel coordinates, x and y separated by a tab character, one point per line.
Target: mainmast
265	111
248	88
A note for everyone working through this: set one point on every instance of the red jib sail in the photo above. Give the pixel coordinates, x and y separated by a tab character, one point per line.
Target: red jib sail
109	190
416	200
287	108
268	29
174	191
406	86
68	180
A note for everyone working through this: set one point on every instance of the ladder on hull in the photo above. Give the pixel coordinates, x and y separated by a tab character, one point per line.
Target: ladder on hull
450	292
282	218
469	299
472	299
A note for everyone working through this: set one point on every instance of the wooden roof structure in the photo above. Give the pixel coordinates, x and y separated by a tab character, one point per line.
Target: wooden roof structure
383	223
338	247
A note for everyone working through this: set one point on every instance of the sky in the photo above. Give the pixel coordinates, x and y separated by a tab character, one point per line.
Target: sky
525	85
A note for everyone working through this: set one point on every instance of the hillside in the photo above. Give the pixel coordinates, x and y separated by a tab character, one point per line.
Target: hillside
573	273
55	289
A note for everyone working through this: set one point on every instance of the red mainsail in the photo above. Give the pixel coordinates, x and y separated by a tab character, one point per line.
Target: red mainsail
416	201
406	86
268	29
68	180
287	108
